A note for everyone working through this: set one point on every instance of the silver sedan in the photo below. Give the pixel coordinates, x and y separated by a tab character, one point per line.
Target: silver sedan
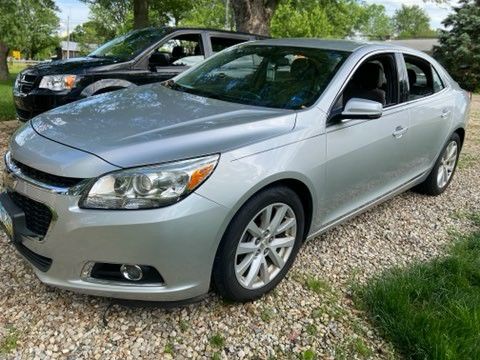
217	177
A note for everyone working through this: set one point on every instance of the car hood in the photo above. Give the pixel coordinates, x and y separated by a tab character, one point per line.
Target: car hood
153	124
68	66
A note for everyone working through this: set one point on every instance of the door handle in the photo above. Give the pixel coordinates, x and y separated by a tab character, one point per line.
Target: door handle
445	113
399	132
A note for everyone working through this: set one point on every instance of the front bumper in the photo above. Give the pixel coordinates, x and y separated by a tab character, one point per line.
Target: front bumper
38	101
180	241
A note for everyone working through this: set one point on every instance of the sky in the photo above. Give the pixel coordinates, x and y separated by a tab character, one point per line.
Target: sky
436	12
78	11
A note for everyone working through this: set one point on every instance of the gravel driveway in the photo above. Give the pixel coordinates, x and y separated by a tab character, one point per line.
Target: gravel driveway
309	314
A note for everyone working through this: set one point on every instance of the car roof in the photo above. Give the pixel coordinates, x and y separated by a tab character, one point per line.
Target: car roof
172	29
339	45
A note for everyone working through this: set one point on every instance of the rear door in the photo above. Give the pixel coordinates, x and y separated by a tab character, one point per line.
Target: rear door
366	159
430	107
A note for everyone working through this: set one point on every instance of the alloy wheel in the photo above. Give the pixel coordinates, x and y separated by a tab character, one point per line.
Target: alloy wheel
447	164
265	245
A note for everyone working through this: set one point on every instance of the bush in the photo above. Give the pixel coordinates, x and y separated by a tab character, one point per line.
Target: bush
459	49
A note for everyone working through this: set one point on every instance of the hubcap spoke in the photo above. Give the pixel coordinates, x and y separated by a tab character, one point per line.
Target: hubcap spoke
276	259
246	262
285	242
266	216
287	224
246	248
254	230
277	219
254	270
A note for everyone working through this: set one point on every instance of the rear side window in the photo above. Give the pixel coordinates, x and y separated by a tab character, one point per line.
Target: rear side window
220	43
423	79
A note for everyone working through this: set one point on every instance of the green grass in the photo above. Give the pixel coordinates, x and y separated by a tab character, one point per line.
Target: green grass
317	285
431	310
9	342
7	110
217	341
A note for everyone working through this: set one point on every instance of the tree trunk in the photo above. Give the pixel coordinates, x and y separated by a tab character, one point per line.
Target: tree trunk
254	16
3	61
140	14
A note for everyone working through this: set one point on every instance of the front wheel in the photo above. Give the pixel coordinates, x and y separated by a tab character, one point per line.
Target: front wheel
259	245
442	173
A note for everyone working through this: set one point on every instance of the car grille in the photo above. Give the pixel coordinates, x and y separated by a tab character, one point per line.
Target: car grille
37	215
25	83
45	178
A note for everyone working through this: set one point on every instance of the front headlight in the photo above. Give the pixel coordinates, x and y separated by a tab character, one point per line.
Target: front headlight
149	187
58	82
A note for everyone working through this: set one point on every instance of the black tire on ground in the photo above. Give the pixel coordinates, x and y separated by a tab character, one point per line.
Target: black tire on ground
225	281
430	186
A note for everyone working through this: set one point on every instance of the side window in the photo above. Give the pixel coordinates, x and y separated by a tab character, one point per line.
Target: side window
182	50
421	78
375	79
220	43
437	81
239	68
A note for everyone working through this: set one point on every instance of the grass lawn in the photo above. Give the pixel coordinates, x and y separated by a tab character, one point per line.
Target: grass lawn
431	310
7	110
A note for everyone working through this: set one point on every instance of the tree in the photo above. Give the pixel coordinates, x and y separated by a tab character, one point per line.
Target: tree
140	14
374	23
208	13
305	18
17	31
412	22
9	32
459	49
254	15
42	23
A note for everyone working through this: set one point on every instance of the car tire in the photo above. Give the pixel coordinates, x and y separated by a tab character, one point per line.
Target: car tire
255	230
446	164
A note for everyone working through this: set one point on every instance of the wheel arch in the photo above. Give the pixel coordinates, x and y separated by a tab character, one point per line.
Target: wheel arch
299	186
101	86
461	132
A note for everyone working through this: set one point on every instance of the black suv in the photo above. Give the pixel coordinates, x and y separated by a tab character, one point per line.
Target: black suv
139	57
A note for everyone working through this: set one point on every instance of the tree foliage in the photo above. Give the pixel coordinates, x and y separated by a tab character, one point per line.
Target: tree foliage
318	18
412	22
208	13
27	25
375	23
459	49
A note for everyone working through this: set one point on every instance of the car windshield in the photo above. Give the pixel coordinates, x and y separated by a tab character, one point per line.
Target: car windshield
128	46
283	77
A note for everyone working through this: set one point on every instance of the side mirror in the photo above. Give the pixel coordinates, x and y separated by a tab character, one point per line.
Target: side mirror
357	108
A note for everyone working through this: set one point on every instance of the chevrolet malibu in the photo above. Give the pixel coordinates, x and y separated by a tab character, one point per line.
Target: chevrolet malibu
214	179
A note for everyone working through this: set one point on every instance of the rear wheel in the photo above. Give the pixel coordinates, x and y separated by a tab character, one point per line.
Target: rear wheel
259	245
442	173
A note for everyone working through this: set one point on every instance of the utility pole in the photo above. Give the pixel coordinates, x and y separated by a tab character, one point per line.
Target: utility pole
68	36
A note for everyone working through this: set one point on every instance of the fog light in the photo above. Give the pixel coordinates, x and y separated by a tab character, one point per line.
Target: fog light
131	272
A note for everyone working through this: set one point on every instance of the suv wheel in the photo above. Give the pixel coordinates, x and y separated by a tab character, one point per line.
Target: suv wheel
259	245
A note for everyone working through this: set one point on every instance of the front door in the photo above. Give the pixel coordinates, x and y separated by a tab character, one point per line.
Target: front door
366	158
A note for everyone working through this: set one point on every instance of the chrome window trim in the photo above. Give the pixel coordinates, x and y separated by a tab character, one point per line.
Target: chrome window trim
13	170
